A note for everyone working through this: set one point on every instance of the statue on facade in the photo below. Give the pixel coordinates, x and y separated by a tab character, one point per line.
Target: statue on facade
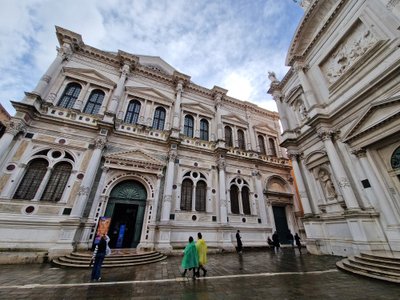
272	77
327	184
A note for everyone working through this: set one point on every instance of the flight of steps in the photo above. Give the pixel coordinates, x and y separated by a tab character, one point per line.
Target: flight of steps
376	266
116	259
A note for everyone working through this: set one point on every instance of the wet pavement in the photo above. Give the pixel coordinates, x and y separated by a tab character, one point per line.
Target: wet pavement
253	275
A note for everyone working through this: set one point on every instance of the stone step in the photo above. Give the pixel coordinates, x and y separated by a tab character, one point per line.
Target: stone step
376	273
82	260
374	264
380	258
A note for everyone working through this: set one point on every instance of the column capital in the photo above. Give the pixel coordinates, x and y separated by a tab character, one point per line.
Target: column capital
172	155
359	152
100	142
14	126
294	155
125	69
300	66
277	96
221	163
325	134
65	51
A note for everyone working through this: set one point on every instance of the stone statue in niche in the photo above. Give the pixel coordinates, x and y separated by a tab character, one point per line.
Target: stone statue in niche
327	184
302	110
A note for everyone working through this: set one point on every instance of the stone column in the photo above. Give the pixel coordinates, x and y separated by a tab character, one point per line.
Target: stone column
218	101
89	177
13	127
64	53
300	183
260	194
43	184
222	191
282	110
177	106
338	170
169	180
98	195
115	99
315	195
78	105
250	128
309	97
377	192
156	198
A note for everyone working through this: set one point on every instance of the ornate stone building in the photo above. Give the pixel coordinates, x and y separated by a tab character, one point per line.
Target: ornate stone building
340	110
129	137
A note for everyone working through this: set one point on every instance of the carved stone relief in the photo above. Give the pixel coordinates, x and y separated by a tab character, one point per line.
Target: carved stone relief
354	46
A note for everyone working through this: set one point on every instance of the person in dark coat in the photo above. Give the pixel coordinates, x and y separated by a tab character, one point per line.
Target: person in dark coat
270	243
98	258
298	243
275	240
239	242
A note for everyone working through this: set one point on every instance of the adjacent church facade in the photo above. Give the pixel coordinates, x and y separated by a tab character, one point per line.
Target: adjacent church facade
340	110
129	137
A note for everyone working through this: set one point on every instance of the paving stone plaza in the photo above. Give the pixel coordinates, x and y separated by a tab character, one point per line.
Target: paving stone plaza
254	275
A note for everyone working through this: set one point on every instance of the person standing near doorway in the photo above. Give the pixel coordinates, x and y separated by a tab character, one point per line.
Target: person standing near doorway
298	243
98	258
202	251
275	240
239	242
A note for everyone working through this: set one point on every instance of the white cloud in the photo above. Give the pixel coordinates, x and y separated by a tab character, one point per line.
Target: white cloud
231	44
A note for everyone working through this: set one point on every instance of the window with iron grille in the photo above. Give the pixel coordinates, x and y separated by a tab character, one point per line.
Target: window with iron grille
32	179
186	195
261	144
241	140
204	129
201	193
132	114
94	102
189	125
234	195
246	200
70	95
159	118
57	182
228	136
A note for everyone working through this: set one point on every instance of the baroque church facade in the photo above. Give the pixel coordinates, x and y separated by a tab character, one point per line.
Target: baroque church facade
129	137
340	111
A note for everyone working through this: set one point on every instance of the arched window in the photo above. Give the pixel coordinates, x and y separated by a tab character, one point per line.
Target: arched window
186	194
228	136
204	129
94	102
272	149
30	183
69	96
241	141
261	144
57	182
246	200
395	159
188	128
201	193
132	114
234	193
159	118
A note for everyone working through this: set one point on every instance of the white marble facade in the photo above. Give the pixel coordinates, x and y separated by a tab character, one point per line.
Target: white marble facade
340	109
198	159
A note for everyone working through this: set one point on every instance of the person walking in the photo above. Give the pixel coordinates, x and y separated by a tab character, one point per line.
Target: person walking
239	242
298	243
98	258
275	240
201	247
190	258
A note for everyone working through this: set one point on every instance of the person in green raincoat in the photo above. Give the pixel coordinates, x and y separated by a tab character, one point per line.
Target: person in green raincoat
202	251
190	258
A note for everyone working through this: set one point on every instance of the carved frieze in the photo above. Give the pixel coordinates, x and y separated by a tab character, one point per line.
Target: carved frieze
349	51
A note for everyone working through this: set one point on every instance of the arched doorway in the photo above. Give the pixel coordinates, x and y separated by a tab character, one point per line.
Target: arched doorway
126	207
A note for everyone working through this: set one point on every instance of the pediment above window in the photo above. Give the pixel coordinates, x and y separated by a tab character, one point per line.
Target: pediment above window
198	109
89	75
233	119
265	128
378	121
134	160
148	93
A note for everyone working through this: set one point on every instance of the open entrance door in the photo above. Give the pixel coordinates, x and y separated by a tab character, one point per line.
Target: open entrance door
281	224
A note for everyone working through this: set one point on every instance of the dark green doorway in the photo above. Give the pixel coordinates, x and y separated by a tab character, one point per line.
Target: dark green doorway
126	207
281	224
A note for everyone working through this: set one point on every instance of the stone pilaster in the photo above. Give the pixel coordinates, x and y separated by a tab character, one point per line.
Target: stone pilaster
169	180
223	202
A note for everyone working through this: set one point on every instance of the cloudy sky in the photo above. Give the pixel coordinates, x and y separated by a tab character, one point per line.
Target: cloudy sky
228	43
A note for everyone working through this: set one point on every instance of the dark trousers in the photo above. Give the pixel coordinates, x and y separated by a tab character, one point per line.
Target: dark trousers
98	261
